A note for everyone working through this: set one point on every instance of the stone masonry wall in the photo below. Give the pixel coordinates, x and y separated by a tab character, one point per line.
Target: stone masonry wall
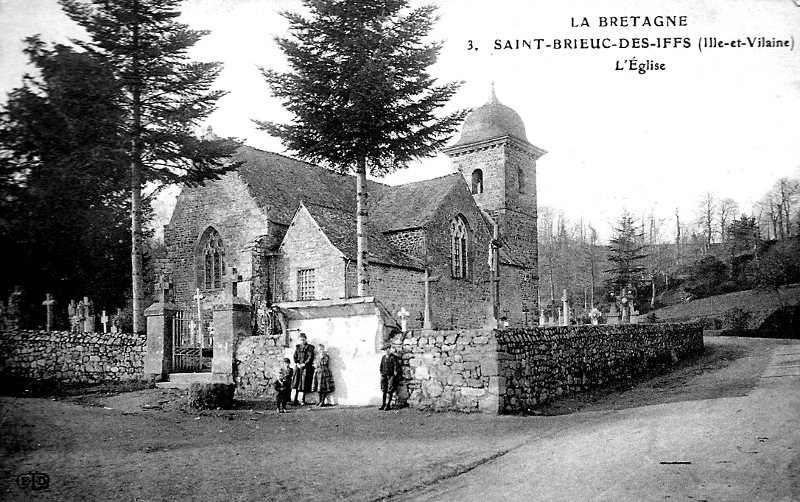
71	357
450	370
539	364
257	360
509	371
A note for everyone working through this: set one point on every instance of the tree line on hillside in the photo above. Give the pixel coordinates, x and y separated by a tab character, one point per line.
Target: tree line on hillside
720	251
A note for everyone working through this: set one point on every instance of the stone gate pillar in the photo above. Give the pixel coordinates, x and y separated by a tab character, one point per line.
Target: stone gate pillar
158	359
231	322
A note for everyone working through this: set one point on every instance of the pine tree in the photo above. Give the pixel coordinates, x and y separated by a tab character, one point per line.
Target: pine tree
360	92
625	254
164	96
63	179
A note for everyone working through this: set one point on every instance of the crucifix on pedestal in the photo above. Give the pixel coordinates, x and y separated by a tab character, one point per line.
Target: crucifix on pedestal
198	297
104	322
49	306
427	323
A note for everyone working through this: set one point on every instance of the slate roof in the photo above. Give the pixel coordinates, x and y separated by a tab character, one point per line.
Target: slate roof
278	184
411	205
340	228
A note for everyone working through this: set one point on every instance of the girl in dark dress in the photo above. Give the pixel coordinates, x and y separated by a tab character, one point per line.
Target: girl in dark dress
323	378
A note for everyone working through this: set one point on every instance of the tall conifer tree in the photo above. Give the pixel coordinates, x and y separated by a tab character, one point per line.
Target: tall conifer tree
625	252
63	180
164	97
360	92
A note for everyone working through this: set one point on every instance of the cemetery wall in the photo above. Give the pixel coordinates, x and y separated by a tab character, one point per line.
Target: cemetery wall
257	360
452	370
537	365
512	370
71	357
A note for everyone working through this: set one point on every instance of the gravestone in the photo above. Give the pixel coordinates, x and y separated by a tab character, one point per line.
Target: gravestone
564	309
613	315
88	315
104	322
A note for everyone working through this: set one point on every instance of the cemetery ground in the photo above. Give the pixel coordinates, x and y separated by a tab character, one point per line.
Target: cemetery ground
111	443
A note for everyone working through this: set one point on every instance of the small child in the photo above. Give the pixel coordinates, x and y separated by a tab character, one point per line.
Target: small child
283	385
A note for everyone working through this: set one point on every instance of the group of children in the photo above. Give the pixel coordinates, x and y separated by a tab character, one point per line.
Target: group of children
305	377
308	377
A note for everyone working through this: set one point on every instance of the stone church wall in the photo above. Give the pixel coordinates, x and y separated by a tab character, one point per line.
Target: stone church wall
398	288
227	206
459	302
411	242
512	370
68	357
306	247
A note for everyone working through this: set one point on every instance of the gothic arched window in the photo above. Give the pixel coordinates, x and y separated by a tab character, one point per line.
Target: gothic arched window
212	259
459	248
521	179
477	181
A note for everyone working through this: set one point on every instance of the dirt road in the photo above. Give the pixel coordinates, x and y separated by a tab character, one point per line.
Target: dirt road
744	448
731	413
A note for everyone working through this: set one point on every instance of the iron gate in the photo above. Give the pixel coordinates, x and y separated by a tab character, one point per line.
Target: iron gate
192	345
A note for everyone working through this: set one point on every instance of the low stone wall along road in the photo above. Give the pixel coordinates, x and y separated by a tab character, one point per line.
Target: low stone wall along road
720	426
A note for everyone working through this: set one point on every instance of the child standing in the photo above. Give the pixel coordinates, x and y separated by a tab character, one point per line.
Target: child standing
323	378
283	385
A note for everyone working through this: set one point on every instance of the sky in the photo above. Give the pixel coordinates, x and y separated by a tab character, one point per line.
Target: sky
724	119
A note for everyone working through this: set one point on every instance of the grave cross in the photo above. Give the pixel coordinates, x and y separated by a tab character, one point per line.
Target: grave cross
104	322
198	298
403	315
49	306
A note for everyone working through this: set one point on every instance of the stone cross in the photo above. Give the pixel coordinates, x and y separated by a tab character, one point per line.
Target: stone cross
565	308
48	303
163	286
104	322
199	298
427	323
231	280
403	315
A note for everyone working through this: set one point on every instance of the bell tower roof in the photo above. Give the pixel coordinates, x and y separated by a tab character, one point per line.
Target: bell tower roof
492	120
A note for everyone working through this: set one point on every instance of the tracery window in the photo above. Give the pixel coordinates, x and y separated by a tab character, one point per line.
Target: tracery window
459	249
213	255
477	181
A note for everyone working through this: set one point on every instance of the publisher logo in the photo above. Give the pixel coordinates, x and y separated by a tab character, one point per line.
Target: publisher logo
33	481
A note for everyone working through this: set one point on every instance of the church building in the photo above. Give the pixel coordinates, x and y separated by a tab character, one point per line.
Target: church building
458	251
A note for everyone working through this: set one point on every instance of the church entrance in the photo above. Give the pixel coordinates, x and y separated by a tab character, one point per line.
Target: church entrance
192	345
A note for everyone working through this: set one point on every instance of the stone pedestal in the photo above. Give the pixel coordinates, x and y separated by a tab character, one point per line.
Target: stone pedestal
612	319
158	359
231	322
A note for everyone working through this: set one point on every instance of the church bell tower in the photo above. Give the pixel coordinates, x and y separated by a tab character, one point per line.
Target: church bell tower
499	165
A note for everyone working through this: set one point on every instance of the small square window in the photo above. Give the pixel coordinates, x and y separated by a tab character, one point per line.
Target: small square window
305	284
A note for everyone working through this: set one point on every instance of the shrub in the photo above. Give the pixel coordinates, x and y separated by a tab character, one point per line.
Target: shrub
210	396
736	319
